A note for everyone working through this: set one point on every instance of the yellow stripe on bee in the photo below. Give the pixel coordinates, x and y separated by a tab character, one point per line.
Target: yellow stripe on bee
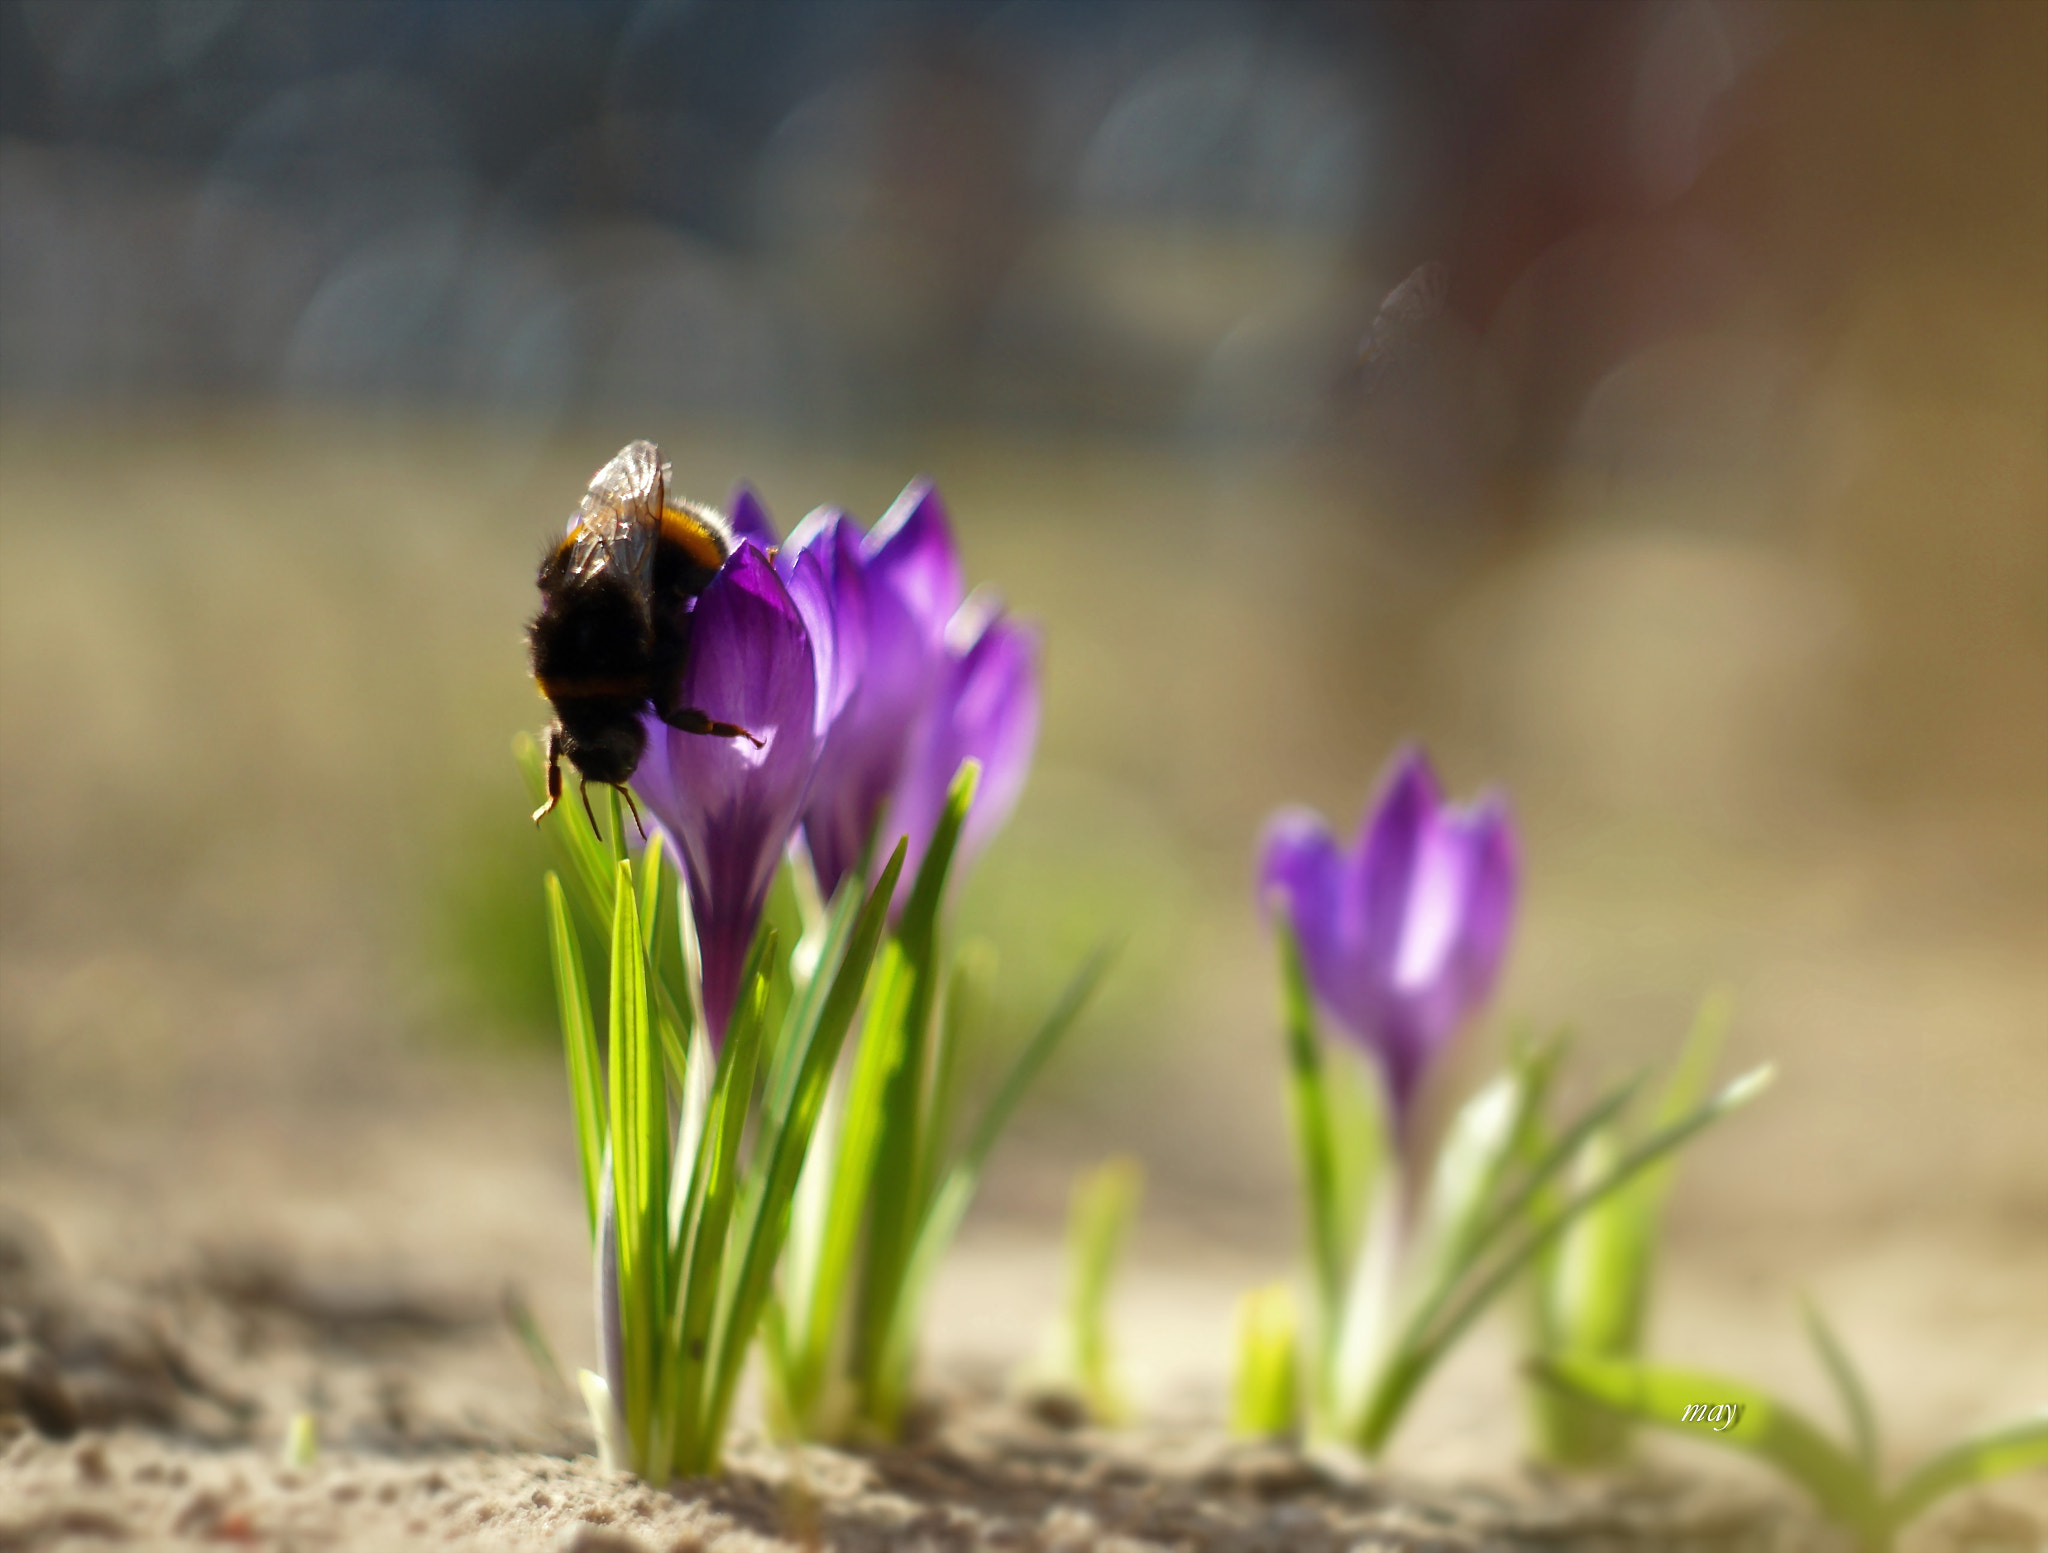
695	538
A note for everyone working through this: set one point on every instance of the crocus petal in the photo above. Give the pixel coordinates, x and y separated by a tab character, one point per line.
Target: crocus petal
985	708
1377	892
749	517
1492	878
729	806
868	743
911	552
1301	869
834	605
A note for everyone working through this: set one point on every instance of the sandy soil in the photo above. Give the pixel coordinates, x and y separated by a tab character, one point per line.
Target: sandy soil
174	1389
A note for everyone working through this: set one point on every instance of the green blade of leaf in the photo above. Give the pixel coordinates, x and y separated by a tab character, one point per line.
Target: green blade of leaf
800	1024
967	990
640	1165
1591	1293
892	1207
1265	1391
1105	1203
664	956
1599	1284
942	1219
579	1044
853	1178
1420	1350
1688	1081
588	859
1309	1110
1599	1281
615	811
1848	1384
714	1185
1461	1211
1767	1428
784	1146
1503	1214
2012	1447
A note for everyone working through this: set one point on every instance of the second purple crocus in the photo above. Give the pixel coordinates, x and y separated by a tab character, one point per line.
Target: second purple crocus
1403	933
985	708
906	574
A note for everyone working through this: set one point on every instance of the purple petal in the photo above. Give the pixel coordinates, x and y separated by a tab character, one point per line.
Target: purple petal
1376	895
729	806
985	708
1301	869
911	551
749	517
868	743
837	598
1491	884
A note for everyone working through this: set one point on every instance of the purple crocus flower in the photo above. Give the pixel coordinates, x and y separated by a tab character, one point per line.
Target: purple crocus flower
730	807
905	574
985	707
1402	936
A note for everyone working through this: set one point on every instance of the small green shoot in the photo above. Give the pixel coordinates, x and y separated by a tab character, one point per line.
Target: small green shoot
1103	1207
1590	1293
1265	1392
1843	1482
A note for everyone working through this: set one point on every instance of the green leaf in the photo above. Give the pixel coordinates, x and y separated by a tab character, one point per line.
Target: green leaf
801	1023
852	1184
949	1206
1430	1338
892	1207
1309	1110
785	1142
967	992
1265	1392
1849	1388
664	959
579	1044
1502	1214
1766	1428
1105	1201
1462	1209
1688	1082
587	859
2012	1447
640	1165
713	1188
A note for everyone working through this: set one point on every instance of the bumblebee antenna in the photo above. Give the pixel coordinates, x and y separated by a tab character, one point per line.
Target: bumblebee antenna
584	788
626	793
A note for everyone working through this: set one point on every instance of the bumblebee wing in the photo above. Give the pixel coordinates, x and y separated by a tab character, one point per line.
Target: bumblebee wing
618	521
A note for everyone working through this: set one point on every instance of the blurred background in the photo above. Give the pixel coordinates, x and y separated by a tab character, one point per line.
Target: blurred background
1709	519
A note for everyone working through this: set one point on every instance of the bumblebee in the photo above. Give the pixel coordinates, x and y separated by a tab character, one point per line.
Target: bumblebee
613	633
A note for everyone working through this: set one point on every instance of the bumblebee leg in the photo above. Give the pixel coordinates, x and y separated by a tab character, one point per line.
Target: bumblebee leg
583	787
626	793
554	774
690	720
